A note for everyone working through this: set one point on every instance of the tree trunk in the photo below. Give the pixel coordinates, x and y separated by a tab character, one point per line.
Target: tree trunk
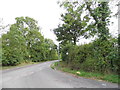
74	40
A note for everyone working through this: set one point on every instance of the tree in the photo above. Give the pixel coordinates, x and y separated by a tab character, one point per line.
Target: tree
30	30
73	25
101	16
35	45
102	46
51	49
13	47
23	42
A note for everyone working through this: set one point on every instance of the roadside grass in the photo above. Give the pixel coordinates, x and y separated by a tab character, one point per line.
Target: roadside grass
20	65
97	76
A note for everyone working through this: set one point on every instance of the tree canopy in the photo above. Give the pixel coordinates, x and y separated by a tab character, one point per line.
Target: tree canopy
24	42
73	25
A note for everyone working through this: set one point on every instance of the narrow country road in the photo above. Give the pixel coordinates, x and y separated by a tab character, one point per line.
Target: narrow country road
42	76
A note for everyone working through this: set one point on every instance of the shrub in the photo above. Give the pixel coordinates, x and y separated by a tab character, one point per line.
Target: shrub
98	56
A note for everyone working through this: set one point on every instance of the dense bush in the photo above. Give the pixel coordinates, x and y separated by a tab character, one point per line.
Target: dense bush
94	56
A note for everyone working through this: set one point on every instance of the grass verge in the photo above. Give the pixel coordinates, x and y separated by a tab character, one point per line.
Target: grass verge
20	65
97	76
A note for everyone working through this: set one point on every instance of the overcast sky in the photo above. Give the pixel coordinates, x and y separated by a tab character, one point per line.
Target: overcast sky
46	12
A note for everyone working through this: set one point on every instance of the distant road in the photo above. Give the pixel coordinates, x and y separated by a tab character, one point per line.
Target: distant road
42	76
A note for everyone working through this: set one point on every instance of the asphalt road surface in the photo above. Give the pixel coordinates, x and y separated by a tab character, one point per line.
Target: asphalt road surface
42	76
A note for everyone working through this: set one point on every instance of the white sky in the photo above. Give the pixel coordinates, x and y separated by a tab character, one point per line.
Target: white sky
46	12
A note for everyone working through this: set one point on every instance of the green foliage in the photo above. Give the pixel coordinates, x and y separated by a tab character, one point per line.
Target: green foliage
99	76
89	57
52	49
73	25
13	47
88	19
101	15
0	51
25	42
